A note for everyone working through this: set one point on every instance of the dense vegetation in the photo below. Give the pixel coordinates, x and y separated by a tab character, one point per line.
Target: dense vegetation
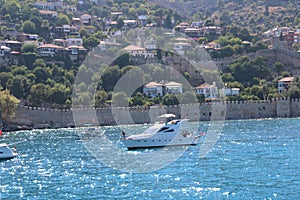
41	83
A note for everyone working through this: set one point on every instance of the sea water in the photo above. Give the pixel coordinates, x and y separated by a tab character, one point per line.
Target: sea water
252	159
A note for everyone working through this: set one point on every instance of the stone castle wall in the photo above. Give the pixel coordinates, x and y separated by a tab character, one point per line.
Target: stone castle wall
43	118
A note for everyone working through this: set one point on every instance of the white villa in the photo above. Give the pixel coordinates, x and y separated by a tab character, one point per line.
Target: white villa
138	51
208	90
154	89
172	88
284	83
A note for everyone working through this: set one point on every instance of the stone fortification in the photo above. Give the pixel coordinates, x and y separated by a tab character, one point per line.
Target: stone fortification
44	118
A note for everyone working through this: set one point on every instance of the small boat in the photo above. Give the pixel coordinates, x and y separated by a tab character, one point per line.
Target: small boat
89	132
168	131
6	152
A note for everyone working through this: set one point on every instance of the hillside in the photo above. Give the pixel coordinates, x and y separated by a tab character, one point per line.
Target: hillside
258	16
43	43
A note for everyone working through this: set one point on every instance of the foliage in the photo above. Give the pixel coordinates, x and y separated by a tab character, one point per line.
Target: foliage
90	42
28	27
170	99
245	70
100	98
240	20
26	48
120	99
110	77
294	91
8	105
39	93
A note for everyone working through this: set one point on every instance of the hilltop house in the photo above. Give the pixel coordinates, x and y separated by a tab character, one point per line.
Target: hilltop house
47	14
172	88
48	5
129	24
106	44
27	37
207	90
154	89
181	47
50	50
4	50
283	84
76	53
193	32
86	19
137	51
14	45
73	41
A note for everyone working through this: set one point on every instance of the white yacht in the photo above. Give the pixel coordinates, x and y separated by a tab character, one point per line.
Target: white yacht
168	131
6	152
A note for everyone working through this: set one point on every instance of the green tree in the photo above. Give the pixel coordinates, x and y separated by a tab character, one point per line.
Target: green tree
294	91
137	100
227	77
8	105
42	74
4	77
123	60
29	11
37	20
226	51
90	42
100	98
62	19
26	48
278	67
120	23
168	22
28	59
120	99
83	32
39	93
59	93
11	7
17	86
110	77
28	27
170	99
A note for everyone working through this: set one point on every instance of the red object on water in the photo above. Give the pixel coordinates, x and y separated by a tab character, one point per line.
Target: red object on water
0	133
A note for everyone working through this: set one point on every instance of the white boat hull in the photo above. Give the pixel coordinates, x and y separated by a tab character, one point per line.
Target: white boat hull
6	152
154	143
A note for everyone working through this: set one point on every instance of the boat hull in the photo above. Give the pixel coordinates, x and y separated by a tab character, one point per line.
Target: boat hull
159	146
7	158
6	152
144	143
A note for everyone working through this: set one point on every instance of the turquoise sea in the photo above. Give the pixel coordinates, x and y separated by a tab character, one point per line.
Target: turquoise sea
252	159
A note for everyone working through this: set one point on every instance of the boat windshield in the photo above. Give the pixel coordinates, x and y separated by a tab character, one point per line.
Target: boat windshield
152	129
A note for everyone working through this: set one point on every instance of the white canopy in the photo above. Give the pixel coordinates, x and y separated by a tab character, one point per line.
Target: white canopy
167	116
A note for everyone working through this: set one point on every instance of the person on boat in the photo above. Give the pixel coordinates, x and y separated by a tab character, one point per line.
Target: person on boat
123	134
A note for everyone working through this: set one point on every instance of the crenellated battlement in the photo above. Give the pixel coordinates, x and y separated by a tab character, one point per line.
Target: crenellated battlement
251	109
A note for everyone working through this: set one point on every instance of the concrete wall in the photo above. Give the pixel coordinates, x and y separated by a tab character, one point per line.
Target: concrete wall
42	118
